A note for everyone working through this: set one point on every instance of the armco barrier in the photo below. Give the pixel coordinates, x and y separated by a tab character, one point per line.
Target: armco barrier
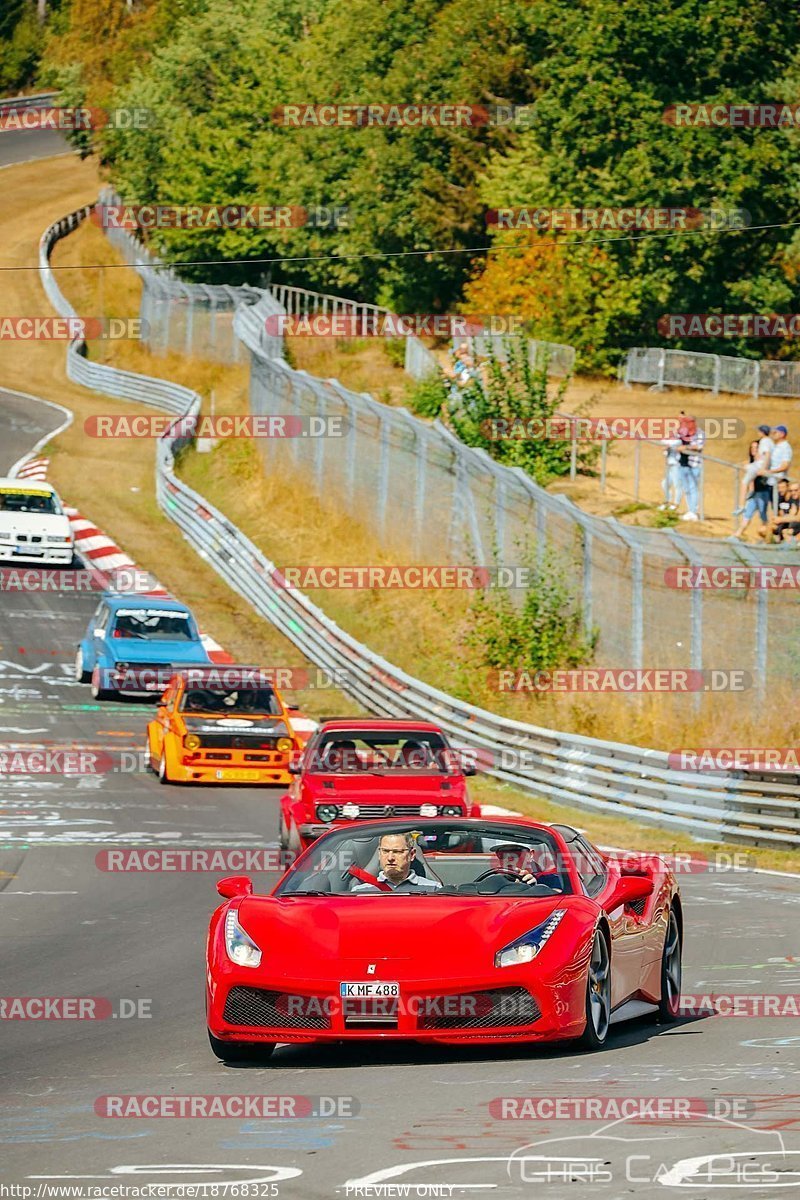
586	773
24	103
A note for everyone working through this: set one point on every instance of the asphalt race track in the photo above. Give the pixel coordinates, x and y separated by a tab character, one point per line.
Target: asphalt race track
423	1115
25	145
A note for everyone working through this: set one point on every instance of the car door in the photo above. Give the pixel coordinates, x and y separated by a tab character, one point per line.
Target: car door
627	932
96	634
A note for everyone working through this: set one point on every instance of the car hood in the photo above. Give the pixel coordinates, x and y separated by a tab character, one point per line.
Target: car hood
135	650
411	937
47	524
235	723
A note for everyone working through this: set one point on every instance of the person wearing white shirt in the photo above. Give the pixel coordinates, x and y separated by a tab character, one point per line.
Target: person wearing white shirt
781	457
759	466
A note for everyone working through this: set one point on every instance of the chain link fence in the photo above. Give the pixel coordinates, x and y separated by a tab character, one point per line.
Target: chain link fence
712	372
422	493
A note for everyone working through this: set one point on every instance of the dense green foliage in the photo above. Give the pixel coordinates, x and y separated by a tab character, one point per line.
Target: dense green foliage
598	75
544	632
508	410
21	41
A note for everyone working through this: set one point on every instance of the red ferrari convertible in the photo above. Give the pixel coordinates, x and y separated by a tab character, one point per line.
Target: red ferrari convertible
497	930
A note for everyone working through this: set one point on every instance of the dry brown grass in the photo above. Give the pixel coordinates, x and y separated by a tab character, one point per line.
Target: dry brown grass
359	364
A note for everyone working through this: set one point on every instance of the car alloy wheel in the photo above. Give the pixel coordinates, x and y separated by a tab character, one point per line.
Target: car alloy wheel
598	994
671	971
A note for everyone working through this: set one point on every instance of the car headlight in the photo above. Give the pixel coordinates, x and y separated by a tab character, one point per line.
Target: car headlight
240	946
285	745
525	949
59	539
7	537
327	812
451	810
192	741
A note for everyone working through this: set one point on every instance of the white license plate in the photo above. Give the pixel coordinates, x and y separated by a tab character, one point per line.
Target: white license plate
368	991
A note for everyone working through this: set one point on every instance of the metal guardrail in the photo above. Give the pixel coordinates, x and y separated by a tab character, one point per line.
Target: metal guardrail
585	773
712	372
20	103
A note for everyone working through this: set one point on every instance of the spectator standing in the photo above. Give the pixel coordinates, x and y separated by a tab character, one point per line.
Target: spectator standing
690	457
759	465
781	457
671	483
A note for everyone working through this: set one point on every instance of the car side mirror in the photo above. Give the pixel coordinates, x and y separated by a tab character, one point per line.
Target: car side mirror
629	889
469	769
294	767
233	886
293	707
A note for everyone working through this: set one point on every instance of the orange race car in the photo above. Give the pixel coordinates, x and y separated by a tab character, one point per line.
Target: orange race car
223	724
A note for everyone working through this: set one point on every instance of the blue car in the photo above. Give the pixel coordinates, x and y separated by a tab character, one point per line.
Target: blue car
132	644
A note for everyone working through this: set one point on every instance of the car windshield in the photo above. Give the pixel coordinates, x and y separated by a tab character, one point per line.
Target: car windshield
22	501
258	701
426	858
153	624
350	751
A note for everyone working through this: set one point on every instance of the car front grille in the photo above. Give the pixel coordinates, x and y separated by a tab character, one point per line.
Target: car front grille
479	1010
281	1010
372	812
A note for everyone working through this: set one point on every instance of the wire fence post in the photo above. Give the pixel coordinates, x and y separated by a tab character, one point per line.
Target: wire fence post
637	463
637	590
749	556
587	580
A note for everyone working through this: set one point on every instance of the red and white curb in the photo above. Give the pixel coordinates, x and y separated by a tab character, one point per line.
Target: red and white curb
35	469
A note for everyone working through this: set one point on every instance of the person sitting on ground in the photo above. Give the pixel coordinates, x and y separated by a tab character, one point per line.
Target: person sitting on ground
788	512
